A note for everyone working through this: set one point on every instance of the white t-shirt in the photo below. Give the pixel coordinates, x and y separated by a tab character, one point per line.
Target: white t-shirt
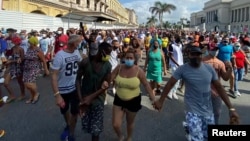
67	64
114	58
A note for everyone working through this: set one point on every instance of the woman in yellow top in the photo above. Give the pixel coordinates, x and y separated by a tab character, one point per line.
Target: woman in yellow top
127	102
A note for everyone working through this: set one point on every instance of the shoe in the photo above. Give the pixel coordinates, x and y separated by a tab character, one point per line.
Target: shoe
181	90
1	80
187	135
105	102
70	138
2	133
36	99
65	134
237	93
170	96
114	90
175	96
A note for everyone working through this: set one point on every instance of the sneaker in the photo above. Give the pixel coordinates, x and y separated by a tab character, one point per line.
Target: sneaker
105	102
170	96
113	90
175	96
70	138
2	133
237	93
65	133
187	135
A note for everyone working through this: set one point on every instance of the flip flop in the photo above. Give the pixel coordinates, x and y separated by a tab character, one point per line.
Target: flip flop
36	99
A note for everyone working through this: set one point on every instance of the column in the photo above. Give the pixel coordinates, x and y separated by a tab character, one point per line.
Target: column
92	4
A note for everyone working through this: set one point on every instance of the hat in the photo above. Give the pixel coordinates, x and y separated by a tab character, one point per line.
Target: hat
11	30
16	40
237	44
194	49
33	40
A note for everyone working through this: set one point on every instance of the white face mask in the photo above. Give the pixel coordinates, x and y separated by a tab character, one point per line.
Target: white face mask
44	35
59	32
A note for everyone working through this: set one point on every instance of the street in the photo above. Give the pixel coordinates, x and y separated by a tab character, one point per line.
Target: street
43	122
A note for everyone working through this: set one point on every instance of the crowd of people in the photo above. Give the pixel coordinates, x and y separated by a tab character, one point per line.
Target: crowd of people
86	65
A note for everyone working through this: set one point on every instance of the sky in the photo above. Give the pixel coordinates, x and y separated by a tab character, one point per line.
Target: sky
183	10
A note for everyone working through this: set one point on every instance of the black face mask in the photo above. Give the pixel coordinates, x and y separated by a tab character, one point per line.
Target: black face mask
155	47
195	62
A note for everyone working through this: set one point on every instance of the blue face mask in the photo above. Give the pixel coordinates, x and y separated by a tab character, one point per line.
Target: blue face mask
129	62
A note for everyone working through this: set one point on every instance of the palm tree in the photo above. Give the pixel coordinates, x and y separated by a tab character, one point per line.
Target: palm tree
151	21
167	24
161	8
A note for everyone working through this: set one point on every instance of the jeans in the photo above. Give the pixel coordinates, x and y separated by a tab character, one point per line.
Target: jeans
174	89
238	76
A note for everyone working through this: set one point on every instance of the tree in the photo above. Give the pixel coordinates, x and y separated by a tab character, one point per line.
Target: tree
167	24
151	21
161	8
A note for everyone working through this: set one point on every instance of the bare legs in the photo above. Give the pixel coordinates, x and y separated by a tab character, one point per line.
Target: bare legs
118	114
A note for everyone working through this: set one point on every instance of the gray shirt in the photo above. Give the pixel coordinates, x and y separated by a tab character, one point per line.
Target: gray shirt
197	97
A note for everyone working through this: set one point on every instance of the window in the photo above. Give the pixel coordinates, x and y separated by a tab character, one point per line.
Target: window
247	14
235	15
78	2
95	6
239	14
87	3
232	17
243	14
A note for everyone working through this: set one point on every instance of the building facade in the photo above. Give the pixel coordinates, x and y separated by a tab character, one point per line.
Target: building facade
223	15
132	17
108	11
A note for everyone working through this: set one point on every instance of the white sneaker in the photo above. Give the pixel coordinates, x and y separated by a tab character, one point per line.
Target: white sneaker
114	91
175	96
1	80
237	93
105	102
170	96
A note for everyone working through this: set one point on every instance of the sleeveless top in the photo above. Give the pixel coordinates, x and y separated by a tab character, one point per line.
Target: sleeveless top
127	88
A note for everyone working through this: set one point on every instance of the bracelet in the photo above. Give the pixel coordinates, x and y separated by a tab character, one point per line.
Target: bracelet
57	93
232	109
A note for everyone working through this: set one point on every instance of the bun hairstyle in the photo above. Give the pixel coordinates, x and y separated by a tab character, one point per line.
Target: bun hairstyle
131	50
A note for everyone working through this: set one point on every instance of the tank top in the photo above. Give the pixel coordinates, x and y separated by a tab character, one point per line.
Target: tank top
127	88
164	42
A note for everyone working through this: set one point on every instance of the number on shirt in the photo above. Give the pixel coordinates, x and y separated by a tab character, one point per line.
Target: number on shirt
71	68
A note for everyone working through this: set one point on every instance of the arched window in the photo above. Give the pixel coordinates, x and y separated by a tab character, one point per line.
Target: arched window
38	12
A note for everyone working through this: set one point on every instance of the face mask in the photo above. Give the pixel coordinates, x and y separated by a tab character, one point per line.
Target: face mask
214	53
195	62
236	48
155	47
44	35
225	42
105	59
22	37
59	32
129	63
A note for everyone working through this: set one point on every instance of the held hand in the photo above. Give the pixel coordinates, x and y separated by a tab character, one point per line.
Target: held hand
59	101
82	109
234	118
87	100
165	72
158	105
105	85
47	72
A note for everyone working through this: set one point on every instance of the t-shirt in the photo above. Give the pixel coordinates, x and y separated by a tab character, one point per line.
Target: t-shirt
44	44
164	42
225	52
114	58
197	97
67	64
239	59
24	44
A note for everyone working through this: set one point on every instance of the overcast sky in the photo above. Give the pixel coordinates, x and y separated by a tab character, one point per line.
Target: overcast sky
184	8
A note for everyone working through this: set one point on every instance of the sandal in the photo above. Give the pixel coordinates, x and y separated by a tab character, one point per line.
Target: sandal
29	101
36	99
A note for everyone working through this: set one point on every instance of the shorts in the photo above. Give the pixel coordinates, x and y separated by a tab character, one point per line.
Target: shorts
198	125
133	105
92	121
71	99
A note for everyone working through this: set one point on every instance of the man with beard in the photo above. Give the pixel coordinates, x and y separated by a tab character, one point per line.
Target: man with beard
197	97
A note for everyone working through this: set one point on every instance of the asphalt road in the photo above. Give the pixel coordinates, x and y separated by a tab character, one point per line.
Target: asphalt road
43	122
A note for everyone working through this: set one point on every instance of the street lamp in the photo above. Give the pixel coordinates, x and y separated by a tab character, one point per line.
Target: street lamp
70	11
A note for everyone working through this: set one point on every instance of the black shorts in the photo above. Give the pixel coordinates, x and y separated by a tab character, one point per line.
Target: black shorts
133	105
71	99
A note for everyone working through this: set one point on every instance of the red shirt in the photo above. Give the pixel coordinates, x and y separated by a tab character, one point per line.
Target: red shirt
239	59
